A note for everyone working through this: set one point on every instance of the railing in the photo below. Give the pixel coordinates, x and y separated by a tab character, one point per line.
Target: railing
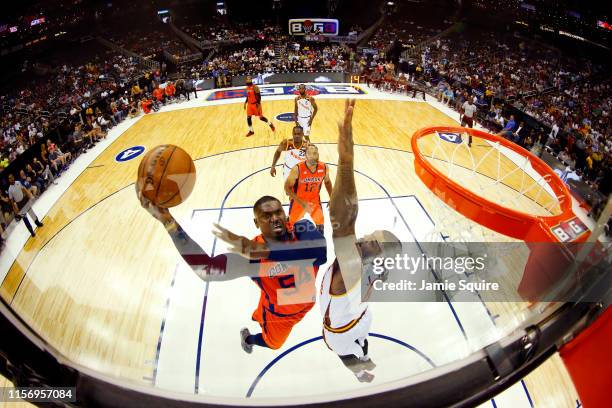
368	32
147	63
185	37
182	59
418	48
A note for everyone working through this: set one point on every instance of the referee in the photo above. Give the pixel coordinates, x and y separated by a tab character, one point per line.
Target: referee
21	198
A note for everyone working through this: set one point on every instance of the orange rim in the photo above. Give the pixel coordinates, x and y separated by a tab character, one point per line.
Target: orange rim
507	221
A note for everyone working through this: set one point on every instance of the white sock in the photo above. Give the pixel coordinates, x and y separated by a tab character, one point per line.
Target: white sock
250	128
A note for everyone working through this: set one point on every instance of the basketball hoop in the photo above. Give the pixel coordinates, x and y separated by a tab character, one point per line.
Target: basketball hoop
468	180
496	191
307	26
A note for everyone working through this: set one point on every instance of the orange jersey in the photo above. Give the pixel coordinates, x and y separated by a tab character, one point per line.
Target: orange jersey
308	185
170	90
158	94
287	289
251	95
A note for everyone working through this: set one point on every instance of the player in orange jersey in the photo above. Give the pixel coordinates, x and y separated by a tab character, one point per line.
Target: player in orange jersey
283	261
304	185
252	104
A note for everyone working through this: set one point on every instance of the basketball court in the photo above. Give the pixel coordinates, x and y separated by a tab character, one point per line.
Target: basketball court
103	283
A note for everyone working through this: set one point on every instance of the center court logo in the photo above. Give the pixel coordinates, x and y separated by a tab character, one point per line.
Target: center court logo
285	117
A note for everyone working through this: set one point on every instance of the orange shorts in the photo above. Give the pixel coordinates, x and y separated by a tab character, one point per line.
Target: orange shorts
254	110
275	328
296	212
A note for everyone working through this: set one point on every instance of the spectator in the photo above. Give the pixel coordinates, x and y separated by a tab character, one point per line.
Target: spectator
170	90
34	179
136	91
518	136
44	155
43	171
27	183
190	87
159	95
21	200
508	130
6	210
56	162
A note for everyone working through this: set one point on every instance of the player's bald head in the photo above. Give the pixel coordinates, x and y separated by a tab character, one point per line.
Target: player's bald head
270	217
298	134
264	201
380	242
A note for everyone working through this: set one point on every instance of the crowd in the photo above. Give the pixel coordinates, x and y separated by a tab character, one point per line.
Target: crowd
493	73
71	110
220	29
146	44
407	32
567	98
264	57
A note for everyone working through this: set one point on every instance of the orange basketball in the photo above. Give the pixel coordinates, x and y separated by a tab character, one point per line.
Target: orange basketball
166	176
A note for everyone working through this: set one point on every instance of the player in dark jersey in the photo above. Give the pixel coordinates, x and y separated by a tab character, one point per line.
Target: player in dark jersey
283	261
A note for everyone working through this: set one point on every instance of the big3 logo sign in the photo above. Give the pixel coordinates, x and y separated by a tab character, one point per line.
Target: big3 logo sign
306	26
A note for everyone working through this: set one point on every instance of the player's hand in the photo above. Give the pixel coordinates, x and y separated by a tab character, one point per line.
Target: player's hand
345	133
159	213
273	171
241	245
244	106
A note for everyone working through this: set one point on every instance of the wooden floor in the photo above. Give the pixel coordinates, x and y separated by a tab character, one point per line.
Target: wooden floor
93	282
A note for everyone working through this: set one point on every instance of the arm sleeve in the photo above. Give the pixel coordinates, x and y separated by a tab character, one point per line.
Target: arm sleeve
219	268
310	244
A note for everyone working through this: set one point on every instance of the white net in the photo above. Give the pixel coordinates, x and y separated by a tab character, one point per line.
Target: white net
492	171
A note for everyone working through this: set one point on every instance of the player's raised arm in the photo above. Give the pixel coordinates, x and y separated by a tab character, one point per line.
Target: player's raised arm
244	256
343	206
281	148
206	267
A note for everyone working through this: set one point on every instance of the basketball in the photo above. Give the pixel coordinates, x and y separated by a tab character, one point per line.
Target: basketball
166	176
